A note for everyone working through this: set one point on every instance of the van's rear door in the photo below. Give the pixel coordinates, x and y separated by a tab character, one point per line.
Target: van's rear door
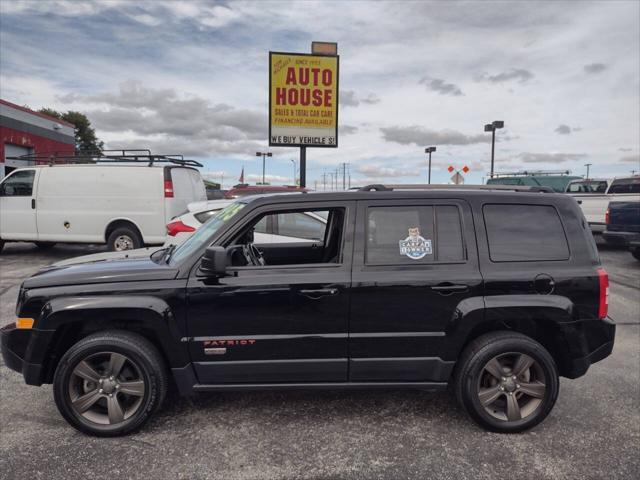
186	185
18	205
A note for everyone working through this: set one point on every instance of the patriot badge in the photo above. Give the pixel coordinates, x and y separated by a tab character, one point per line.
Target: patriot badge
414	246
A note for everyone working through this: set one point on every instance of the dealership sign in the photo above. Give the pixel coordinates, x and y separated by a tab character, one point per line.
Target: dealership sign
303	100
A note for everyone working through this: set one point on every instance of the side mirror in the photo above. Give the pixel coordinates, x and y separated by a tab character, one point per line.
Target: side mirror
214	262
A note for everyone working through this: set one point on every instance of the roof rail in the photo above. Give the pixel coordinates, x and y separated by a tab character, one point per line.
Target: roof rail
107	156
509	188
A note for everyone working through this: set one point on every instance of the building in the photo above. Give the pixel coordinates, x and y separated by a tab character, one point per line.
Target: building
24	132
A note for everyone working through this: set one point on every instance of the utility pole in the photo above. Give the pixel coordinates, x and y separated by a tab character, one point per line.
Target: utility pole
344	175
324	181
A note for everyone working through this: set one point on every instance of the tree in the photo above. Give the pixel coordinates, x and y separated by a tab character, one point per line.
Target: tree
85	135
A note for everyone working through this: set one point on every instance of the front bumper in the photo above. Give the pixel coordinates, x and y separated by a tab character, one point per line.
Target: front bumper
589	342
24	351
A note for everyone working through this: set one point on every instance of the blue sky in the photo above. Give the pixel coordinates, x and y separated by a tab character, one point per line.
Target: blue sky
192	77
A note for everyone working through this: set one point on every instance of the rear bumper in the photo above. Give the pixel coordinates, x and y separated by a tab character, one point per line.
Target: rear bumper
24	351
625	239
590	341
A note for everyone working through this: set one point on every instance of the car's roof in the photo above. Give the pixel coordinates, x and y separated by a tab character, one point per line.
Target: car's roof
431	193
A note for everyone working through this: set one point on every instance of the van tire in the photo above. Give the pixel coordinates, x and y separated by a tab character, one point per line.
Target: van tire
124	238
1	245
45	245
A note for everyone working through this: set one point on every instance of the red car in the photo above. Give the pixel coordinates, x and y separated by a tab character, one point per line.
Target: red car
242	190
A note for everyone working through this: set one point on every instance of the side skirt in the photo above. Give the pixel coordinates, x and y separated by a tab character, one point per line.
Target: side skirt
428	386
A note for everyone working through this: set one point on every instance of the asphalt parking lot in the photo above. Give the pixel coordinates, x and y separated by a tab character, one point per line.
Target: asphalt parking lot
593	432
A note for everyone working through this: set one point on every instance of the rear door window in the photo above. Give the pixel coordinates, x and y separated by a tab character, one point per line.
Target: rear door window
524	233
405	235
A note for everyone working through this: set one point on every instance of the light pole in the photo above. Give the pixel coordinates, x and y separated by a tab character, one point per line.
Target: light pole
263	155
429	150
294	171
588	165
492	127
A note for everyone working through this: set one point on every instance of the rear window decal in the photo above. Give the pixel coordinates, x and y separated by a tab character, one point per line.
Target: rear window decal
415	246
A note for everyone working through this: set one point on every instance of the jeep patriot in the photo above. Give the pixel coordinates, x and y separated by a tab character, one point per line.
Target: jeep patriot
492	292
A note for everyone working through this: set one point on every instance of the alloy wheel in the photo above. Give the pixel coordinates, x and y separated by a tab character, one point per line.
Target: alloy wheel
106	388
511	386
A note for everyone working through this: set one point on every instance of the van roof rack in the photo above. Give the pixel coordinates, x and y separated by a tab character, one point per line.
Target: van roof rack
530	173
509	188
106	156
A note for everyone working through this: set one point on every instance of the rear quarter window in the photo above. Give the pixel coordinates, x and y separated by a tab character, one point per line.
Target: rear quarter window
524	233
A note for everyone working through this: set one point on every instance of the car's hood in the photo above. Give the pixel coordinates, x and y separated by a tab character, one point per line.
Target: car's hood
108	256
118	270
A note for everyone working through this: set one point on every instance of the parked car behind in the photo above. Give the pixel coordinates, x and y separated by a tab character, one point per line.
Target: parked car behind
123	205
594	204
294	227
623	226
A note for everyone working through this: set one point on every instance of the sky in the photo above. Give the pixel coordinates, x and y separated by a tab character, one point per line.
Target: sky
192	78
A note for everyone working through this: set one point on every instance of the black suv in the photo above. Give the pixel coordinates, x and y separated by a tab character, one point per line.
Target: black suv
493	293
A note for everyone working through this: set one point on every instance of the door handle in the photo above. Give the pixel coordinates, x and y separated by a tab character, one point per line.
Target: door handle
33	203
449	288
322	292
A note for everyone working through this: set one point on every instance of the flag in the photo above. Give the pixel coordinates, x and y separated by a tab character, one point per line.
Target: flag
241	179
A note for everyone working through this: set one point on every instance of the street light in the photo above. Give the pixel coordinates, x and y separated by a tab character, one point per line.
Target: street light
492	127
588	165
429	150
263	155
294	171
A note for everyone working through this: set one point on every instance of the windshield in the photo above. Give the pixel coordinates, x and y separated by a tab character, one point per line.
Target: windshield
195	241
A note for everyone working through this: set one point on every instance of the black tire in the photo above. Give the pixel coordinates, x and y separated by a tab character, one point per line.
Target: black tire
472	373
1	245
635	252
142	360
45	245
124	236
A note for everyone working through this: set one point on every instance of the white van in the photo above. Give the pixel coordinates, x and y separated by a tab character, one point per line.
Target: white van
123	205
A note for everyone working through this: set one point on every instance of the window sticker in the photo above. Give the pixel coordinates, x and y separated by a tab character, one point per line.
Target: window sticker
414	246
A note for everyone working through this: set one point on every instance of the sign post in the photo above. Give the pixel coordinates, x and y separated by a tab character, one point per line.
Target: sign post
303	102
457	178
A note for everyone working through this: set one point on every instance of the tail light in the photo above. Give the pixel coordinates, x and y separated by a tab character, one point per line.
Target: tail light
168	189
606	217
603	304
176	227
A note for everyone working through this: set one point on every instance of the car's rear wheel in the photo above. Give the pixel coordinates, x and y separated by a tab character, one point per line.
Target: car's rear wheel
110	383
507	382
124	238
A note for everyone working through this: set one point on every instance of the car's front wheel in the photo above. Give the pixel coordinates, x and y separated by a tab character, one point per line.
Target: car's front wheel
636	253
507	382
110	383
